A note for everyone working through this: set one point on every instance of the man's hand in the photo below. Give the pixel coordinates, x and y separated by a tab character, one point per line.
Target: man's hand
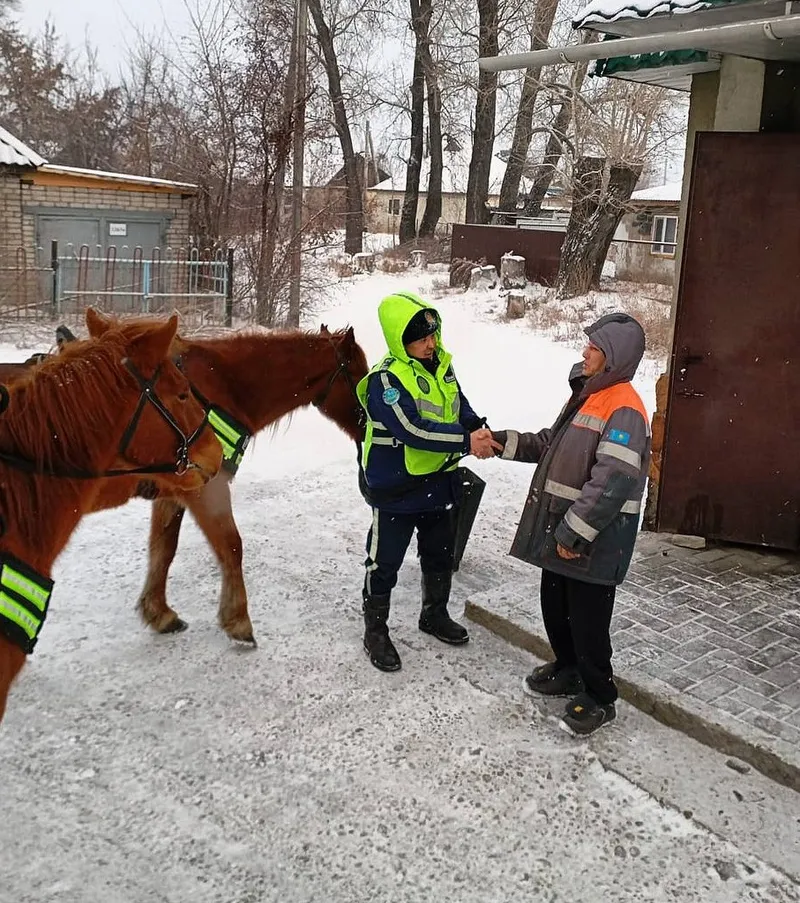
482	445
564	552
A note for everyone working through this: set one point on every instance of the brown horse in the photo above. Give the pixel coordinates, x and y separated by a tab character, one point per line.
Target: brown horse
113	406
251	379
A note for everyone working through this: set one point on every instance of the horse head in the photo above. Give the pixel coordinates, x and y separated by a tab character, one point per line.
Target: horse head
338	400
165	431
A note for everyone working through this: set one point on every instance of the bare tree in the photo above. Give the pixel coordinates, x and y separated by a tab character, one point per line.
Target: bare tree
422	29
543	16
408	215
620	125
354	222
485	110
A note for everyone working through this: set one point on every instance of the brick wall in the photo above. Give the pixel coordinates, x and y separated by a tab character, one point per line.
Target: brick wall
19	283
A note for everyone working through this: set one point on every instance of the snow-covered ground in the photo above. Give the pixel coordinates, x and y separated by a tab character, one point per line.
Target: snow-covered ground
140	768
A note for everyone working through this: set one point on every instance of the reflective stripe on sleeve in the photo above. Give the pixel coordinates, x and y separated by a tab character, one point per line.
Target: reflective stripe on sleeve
407	425
588	421
621	453
580	526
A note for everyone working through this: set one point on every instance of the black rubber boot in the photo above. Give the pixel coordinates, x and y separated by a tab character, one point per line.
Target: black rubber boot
377	644
434	618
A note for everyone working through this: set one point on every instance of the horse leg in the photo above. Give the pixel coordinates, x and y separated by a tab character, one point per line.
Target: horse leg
211	508
165	528
12	658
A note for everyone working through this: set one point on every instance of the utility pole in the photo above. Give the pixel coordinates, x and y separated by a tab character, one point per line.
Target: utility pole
298	136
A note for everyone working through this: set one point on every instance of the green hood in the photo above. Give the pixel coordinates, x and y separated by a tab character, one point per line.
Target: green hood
394	312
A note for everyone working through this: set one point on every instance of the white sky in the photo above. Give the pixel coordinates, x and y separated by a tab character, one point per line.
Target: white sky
111	24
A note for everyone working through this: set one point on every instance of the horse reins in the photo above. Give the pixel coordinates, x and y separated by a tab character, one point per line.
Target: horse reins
342	365
148	396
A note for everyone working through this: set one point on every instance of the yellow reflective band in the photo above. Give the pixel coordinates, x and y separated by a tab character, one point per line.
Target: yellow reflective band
429	407
222	429
19	616
25	587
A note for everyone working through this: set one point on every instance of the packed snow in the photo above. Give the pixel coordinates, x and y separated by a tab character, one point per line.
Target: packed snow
184	768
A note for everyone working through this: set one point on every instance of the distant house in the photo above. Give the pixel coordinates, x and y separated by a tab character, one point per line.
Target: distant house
646	238
385	200
327	204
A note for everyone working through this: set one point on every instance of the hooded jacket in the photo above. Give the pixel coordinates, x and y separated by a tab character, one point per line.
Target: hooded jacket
587	490
418	419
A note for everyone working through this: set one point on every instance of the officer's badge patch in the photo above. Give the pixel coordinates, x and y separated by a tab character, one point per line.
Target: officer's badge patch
424	385
391	395
450	376
619	436
430	317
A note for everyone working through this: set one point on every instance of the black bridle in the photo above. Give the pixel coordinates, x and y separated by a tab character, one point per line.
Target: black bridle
148	396
342	369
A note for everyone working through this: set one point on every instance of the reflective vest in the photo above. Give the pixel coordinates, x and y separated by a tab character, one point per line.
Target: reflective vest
436	397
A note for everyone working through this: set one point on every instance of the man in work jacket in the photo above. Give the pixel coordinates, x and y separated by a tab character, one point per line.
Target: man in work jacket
418	425
581	517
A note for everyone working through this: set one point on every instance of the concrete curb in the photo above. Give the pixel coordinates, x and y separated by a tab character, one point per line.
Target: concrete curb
660	705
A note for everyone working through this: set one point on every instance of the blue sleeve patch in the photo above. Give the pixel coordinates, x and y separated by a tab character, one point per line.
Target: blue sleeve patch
619	436
391	395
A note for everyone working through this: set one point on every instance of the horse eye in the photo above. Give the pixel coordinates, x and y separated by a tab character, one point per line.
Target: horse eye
184	396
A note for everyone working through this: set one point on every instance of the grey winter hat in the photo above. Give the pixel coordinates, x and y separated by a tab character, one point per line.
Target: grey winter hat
621	339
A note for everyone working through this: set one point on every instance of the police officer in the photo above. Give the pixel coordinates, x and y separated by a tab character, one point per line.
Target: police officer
419	424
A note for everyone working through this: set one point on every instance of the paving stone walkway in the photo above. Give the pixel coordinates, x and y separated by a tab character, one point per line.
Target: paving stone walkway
706	640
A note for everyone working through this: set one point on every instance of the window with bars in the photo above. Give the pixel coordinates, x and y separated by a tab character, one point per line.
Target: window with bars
665	233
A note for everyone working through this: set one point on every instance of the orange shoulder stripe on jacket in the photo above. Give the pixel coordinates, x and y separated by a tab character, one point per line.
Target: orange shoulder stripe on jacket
602	404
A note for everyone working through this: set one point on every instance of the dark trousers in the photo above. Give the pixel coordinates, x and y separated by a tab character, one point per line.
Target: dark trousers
577	618
388	540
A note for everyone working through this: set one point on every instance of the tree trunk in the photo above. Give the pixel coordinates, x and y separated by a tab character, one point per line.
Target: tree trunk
408	216
267	285
354	217
600	193
433	204
546	170
523	129
485	109
622	179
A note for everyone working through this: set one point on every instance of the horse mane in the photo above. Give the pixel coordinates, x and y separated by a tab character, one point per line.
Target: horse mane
59	410
222	356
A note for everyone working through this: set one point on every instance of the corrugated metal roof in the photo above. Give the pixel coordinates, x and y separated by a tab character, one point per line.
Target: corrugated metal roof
14	153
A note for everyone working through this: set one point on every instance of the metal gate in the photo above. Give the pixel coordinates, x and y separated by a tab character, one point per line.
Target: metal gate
730	468
127	281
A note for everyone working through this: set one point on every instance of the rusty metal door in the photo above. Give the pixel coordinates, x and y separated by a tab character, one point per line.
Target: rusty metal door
731	464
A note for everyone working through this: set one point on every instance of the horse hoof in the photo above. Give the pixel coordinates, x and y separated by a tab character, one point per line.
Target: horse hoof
176	626
247	640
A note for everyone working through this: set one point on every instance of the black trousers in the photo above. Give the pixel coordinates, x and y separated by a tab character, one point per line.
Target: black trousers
388	540
577	618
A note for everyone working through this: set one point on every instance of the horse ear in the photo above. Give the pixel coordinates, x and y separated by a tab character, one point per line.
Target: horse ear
350	337
154	343
324	330
96	323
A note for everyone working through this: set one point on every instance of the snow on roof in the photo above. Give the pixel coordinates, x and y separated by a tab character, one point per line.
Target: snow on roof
114	176
14	153
455	174
669	192
611	10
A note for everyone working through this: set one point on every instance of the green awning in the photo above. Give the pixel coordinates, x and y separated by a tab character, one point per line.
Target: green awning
617	64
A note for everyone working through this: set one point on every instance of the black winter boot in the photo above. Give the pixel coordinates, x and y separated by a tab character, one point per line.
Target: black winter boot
377	644
434	618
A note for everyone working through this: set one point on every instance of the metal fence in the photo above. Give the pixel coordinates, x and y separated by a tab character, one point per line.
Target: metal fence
62	281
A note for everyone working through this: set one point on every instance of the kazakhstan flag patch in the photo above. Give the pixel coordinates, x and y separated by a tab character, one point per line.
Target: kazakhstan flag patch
619	436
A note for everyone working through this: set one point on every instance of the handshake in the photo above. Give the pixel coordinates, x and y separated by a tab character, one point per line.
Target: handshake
483	445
